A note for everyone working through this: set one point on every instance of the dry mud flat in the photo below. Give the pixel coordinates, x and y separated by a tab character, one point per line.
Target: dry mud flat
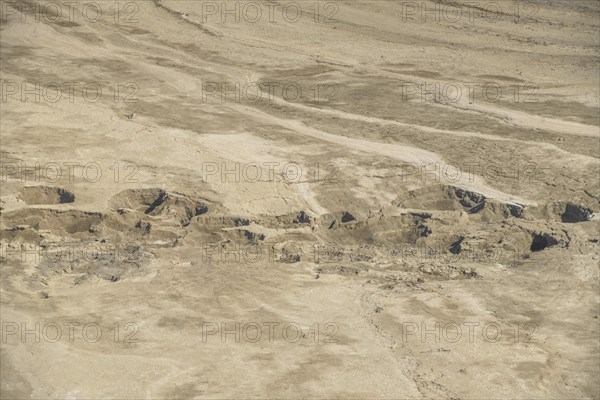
370	199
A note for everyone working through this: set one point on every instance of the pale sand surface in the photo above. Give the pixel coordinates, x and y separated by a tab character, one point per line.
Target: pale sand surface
415	247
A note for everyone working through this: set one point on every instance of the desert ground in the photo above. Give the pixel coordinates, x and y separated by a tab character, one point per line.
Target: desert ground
300	200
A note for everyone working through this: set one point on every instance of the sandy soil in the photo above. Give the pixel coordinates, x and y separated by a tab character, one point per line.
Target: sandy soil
366	199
